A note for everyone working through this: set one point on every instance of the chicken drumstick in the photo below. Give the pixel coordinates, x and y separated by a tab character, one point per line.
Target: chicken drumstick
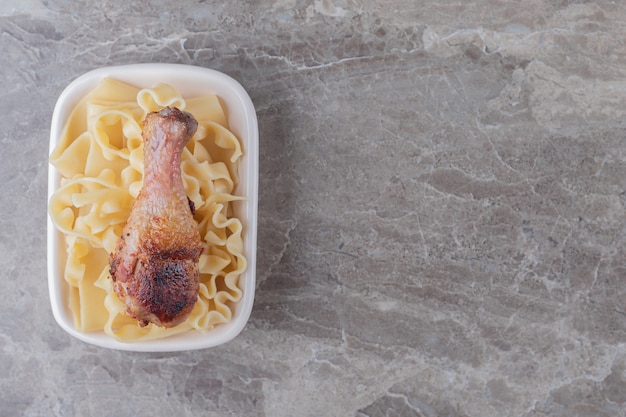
155	263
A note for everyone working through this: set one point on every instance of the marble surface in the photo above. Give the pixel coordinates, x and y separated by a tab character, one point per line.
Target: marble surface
442	192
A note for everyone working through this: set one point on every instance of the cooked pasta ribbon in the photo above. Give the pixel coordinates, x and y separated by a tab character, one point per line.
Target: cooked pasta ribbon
100	158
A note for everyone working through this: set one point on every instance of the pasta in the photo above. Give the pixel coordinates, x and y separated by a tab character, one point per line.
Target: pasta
100	158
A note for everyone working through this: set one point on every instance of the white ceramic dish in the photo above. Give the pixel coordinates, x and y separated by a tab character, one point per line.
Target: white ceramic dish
190	81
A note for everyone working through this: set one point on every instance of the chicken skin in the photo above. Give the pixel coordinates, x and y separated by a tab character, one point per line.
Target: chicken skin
154	266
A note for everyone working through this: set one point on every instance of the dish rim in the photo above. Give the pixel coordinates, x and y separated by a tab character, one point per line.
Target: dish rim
191	81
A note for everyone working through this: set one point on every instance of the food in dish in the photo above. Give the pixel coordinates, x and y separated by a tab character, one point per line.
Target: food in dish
100	158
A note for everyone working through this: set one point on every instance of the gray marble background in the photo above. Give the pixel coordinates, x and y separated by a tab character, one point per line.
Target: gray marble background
442	192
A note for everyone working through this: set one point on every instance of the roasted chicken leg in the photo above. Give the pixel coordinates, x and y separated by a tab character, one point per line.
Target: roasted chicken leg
155	263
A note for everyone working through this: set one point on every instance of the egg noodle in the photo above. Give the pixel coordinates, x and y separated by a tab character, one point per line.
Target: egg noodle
100	158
